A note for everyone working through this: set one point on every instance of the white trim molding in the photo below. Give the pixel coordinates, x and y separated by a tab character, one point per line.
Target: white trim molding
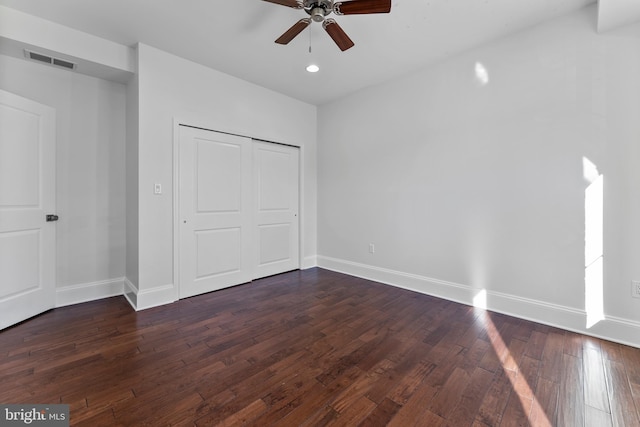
85	292
309	262
130	292
149	298
612	328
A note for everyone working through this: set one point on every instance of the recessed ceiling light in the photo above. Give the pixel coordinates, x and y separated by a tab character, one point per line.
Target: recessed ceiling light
313	68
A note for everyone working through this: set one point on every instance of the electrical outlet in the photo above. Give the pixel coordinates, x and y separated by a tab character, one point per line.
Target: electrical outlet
635	289
372	248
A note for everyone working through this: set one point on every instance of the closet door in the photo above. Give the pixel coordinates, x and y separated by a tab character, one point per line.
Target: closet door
276	193
215	211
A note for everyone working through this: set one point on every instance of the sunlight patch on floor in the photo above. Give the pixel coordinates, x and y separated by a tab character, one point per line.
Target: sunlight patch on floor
521	388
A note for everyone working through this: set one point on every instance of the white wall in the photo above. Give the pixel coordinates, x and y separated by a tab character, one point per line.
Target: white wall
173	88
463	186
90	193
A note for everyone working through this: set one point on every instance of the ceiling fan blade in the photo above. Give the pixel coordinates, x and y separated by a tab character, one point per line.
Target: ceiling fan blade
357	7
292	32
296	4
337	34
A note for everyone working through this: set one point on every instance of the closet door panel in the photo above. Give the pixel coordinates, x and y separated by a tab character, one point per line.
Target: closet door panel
276	195
215	211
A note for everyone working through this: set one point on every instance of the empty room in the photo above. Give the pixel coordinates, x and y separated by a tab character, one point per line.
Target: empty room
316	212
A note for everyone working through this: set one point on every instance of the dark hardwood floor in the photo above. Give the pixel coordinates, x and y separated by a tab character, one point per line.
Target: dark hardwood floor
315	348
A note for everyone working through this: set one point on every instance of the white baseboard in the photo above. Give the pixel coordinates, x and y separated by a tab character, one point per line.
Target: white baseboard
130	292
85	292
148	298
612	328
309	262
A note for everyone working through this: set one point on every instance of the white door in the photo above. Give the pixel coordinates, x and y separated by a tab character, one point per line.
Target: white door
276	186
214	211
27	195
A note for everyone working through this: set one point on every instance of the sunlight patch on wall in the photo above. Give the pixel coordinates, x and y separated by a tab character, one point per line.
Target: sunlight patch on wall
593	243
594	290
589	170
482	74
480	300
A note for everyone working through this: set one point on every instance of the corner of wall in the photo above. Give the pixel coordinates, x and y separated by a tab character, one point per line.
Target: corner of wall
144	299
130	293
309	262
132	172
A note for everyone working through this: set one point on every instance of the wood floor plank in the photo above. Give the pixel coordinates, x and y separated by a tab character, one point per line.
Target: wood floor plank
595	383
474	355
496	398
515	351
410	382
444	369
382	414
526	378
516	412
450	394
428	419
597	418
476	331
471	398
635	392
355	413
631	360
536	344
285	397
611	351
101	419
405	358
265	381
552	356
545	403
415	406
623	410
318	397
315	348
241	417
571	407
573	344
360	387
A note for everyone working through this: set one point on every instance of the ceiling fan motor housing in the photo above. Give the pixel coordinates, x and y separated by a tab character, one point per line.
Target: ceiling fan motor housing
318	9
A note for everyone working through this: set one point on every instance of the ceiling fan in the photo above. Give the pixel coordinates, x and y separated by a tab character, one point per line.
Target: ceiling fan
318	10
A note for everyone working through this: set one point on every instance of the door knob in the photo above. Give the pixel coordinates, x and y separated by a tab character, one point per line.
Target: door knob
51	218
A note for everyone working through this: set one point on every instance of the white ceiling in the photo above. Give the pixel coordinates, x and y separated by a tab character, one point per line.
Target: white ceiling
236	36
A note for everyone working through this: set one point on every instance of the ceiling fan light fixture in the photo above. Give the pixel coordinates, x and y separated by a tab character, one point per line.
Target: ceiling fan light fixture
313	68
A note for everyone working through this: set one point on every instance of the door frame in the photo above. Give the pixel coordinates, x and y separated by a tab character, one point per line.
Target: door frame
205	124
